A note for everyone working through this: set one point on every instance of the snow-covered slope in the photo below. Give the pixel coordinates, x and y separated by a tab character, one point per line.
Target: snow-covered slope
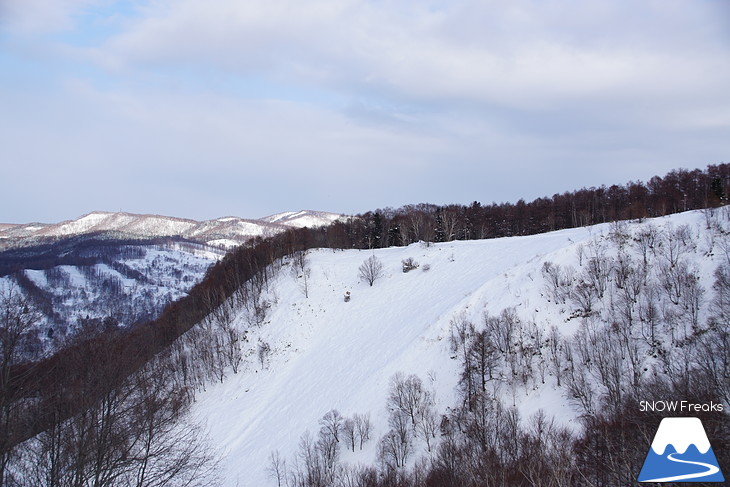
142	278
100	221
327	353
129	283
300	219
331	354
226	231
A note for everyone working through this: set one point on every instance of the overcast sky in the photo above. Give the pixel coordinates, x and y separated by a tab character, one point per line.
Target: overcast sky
207	108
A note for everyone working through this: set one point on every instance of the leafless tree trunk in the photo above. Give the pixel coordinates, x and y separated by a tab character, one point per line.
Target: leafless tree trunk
277	468
363	427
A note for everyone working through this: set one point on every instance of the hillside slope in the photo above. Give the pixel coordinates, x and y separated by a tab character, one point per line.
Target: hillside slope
127	282
305	218
225	231
120	267
318	353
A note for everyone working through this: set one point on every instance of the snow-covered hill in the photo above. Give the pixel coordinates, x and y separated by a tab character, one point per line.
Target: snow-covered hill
129	283
305	218
225	231
318	352
120	265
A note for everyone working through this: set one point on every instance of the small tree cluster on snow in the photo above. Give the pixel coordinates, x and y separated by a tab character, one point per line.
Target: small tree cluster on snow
412	415
318	459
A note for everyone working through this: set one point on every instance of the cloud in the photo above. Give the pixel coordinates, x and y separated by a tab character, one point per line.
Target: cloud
32	17
523	53
177	154
198	108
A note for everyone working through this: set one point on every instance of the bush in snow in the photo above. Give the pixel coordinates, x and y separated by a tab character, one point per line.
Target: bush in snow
409	264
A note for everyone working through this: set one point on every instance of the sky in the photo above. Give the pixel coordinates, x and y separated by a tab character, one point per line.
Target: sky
208	108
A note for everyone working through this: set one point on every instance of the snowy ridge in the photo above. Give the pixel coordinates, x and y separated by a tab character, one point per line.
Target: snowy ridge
305	218
680	433
226	231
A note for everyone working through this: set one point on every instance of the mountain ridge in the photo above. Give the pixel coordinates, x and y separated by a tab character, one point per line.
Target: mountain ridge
225	231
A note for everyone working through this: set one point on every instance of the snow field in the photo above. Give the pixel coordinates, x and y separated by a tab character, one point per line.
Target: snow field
331	354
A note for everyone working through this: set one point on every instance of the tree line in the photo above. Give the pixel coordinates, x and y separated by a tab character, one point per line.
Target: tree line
677	191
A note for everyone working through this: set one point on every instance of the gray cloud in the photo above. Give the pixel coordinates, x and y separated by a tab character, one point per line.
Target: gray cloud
201	109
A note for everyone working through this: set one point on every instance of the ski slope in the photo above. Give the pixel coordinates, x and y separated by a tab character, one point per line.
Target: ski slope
331	354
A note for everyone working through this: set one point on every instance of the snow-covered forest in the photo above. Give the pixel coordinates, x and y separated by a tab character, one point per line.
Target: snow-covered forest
104	284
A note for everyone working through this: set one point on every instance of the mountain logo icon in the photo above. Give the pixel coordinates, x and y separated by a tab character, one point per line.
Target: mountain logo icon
681	452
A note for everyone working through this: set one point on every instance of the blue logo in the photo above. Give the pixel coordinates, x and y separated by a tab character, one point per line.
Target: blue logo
681	452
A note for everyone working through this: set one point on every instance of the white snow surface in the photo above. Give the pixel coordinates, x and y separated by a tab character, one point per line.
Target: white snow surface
680	433
304	218
330	354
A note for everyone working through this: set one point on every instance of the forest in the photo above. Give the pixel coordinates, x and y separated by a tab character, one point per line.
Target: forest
93	280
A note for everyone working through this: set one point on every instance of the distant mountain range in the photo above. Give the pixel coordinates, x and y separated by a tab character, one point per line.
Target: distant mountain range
221	232
122	266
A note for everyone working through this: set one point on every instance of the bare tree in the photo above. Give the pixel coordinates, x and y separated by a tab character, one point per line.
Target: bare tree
332	422
428	424
301	270
349	430
363	427
558	281
277	467
328	450
397	444
555	351
483	361
225	337
598	273
134	434
371	269
647	241
676	243
309	469
407	395
450	221
461	331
